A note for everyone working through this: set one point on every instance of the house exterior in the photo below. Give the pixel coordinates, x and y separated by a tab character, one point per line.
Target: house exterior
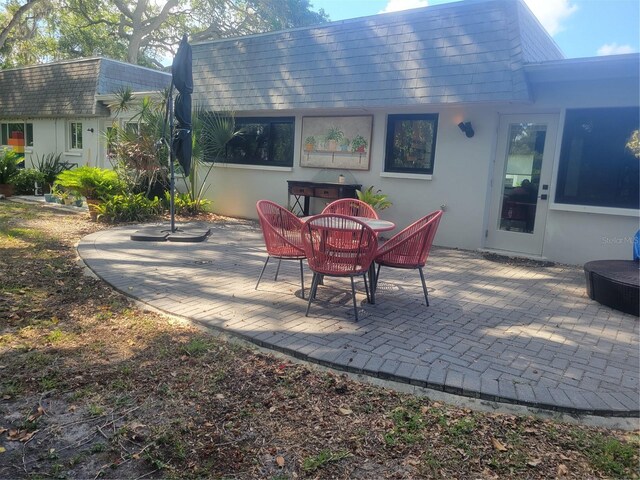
470	107
57	107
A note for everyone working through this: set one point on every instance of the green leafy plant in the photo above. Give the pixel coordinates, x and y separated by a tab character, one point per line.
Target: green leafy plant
93	183
185	205
9	165
132	207
25	181
50	165
358	144
212	131
377	199
334	133
134	150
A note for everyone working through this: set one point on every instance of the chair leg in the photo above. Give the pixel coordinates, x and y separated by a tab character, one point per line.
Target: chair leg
353	295
366	287
375	285
262	272
302	278
424	286
312	292
275	279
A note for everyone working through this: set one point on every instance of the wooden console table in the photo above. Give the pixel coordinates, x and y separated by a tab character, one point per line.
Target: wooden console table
301	191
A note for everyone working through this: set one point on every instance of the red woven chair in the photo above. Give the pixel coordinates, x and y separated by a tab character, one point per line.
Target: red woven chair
351	207
410	248
282	236
322	238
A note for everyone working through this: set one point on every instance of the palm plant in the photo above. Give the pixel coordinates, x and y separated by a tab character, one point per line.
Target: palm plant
137	152
212	131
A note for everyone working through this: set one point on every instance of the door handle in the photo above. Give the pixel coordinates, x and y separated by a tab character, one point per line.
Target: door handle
543	196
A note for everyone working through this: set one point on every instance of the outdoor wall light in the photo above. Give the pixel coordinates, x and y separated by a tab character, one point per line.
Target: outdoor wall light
467	129
90	130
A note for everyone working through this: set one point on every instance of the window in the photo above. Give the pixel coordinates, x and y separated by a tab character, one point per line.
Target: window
264	141
599	158
411	143
75	129
17	131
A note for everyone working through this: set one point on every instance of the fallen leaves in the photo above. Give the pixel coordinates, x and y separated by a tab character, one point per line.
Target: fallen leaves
37	414
498	445
20	435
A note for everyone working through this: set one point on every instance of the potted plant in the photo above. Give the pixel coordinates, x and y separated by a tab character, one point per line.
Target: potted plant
9	161
309	143
377	199
333	137
344	144
95	184
358	144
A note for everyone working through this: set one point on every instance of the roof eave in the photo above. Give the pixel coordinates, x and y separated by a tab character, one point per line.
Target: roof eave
584	69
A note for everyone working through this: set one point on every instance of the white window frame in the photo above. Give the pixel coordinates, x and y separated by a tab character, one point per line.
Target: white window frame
74	127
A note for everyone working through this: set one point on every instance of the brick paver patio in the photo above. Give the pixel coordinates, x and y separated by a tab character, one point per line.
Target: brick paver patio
520	334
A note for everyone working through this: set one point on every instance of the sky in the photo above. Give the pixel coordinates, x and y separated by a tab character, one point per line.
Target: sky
581	28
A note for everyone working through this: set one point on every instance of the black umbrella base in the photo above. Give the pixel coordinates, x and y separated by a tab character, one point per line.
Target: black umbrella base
162	234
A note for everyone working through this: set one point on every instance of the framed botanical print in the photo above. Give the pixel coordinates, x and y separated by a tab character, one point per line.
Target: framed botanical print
336	142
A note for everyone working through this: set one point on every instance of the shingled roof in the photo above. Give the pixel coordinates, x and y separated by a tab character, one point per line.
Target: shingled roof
69	88
470	51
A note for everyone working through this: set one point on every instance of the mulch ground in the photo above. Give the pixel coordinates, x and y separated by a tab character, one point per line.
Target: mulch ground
92	386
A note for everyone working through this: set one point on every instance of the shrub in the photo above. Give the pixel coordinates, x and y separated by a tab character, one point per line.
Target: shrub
133	207
9	161
51	165
91	182
185	205
25	181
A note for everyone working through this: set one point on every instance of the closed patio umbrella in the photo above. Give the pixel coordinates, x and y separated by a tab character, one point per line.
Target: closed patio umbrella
181	146
182	78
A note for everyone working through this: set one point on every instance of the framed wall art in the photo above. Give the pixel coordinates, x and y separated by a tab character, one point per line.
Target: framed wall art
336	142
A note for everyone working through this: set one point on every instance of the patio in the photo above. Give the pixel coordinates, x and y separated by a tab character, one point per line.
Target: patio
520	334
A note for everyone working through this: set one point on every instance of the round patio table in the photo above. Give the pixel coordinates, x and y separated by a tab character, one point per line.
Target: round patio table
375	224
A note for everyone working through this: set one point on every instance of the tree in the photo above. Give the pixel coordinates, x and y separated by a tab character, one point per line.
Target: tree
138	31
15	17
26	32
230	18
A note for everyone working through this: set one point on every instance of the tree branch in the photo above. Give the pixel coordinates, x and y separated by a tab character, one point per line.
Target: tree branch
4	33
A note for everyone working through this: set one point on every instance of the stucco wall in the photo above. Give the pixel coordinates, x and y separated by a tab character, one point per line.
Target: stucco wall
460	179
50	136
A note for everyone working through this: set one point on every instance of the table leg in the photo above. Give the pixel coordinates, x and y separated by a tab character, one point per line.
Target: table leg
372	279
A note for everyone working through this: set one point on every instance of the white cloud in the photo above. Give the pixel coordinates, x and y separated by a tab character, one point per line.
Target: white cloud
552	13
398	5
614	49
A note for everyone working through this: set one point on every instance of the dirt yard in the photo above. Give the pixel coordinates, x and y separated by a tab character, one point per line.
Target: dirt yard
93	387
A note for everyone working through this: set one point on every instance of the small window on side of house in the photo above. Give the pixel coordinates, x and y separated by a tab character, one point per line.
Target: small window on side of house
75	130
411	143
16	131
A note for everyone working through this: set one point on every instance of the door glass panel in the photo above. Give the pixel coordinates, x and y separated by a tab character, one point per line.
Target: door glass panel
521	178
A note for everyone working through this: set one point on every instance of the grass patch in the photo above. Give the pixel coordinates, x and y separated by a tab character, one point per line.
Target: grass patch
315	462
196	347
